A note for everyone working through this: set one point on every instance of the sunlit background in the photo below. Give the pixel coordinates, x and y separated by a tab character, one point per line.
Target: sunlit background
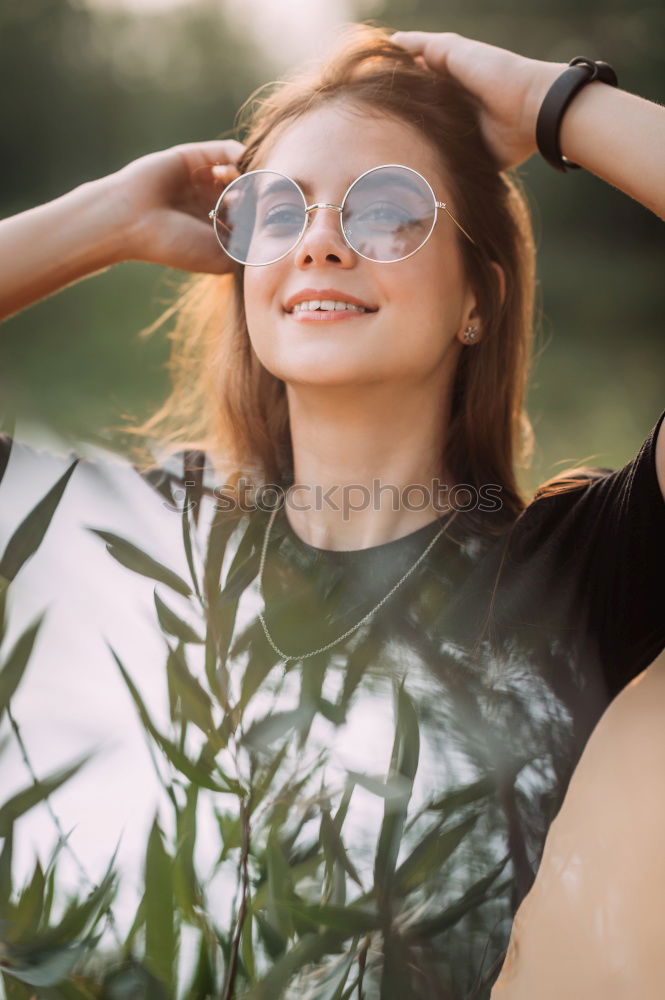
89	86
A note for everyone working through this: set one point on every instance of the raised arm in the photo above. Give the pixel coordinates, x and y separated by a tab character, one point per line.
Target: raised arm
154	209
614	134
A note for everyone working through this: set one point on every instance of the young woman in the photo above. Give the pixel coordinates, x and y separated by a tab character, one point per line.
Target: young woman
436	647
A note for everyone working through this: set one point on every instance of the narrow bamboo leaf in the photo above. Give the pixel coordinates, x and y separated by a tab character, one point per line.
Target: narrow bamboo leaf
30	532
332	987
221	529
137	923
302	869
173	624
6	873
203	984
30	796
310	948
273	942
265	777
48	968
15	664
7	427
335	844
195	702
132	981
347	920
463	796
195	772
189	552
431	854
186	885
49	895
404	761
395	788
135	559
29	907
78	916
230	831
247	948
264	732
280	888
396	980
471	899
160	933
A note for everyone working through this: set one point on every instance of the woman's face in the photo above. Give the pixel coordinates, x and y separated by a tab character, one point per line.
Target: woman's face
419	304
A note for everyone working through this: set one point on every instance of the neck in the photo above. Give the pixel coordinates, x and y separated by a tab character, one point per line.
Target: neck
356	453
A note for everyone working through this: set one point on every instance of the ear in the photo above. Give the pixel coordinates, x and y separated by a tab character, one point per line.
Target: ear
474	324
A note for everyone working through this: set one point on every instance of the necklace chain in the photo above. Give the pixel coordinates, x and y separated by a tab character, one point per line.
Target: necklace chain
287	657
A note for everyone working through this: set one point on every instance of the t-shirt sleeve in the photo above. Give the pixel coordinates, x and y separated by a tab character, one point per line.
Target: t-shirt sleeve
612	531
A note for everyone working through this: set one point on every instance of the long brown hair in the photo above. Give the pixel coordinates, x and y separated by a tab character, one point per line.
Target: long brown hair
225	402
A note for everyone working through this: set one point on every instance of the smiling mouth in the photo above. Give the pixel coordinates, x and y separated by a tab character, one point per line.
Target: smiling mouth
327	309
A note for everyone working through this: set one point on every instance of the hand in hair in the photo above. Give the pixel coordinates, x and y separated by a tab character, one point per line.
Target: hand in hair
169	194
510	88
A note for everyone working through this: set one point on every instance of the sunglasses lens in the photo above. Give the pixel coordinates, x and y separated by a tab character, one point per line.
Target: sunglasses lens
388	213
260	217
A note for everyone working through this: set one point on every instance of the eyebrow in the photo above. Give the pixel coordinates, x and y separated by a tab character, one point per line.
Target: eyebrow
403	181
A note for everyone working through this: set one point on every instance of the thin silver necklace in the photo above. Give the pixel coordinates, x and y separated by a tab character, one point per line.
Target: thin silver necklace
288	657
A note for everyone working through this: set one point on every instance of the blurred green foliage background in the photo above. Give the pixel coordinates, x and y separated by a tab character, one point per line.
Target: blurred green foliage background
88	88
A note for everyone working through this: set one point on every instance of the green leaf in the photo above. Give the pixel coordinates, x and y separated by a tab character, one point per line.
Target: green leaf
160	932
132	981
195	702
404	761
77	917
247	947
396	788
173	624
221	529
15	664
46	968
347	920
472	898
203	983
431	854
28	909
135	559
6	873
187	888
280	888
187	545
332	986
28	536
29	797
311	948
265	731
195	772
332	839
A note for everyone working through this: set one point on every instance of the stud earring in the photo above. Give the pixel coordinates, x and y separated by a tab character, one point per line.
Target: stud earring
470	334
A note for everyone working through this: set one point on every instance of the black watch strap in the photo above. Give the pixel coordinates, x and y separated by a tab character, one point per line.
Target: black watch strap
580	71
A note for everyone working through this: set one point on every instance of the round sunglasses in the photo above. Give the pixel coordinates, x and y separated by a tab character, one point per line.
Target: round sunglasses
387	214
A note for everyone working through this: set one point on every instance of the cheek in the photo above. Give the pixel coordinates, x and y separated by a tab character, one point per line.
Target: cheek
258	292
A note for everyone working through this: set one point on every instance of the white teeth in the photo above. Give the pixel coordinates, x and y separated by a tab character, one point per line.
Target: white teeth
326	305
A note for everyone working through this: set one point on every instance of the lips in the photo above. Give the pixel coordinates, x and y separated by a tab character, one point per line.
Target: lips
326	294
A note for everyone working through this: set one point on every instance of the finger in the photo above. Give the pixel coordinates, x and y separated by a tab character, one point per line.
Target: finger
435	48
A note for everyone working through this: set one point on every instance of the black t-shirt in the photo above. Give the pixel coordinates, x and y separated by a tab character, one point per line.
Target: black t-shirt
437	740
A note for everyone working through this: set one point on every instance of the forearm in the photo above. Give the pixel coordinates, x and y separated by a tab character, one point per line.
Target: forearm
619	137
53	245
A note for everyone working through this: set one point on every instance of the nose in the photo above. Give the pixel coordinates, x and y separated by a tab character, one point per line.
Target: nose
322	240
